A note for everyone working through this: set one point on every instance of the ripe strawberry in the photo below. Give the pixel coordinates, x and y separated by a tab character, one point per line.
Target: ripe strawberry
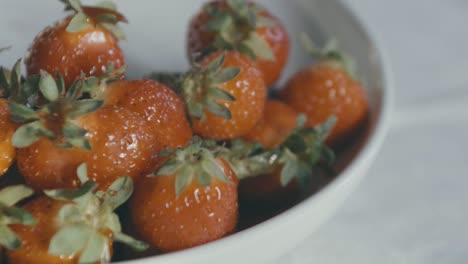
10	214
243	26
83	43
11	90
328	89
277	124
74	226
7	151
272	174
278	121
225	95
191	201
163	109
68	131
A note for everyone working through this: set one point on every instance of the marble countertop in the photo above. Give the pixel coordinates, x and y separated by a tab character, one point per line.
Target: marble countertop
412	208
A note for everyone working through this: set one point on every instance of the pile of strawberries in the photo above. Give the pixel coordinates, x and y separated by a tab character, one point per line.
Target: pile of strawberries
181	147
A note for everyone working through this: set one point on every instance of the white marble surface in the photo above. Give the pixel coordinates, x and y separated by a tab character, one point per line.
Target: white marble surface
413	206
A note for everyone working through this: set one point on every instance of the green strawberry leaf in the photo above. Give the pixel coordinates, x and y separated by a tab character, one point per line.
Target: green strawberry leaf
215	65
118	192
70	195
169	168
289	172
70	240
260	47
219	110
210	166
28	134
11	195
78	23
85	106
183	179
8	239
96	249
130	241
203	178
72	130
226	74
21	113
48	87
114	30
220	94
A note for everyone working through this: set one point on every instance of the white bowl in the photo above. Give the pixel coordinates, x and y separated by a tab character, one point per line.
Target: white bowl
156	41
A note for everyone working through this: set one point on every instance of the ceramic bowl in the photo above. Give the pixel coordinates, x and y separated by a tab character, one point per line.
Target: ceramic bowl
156	41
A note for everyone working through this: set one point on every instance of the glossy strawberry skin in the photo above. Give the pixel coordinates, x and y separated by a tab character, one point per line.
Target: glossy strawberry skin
327	90
7	128
89	52
163	109
198	216
249	90
45	166
277	123
122	144
35	239
199	39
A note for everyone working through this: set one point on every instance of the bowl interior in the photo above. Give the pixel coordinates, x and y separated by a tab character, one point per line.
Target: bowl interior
156	38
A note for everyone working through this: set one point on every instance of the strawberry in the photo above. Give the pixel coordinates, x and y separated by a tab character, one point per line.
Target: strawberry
74	226
7	151
11	90
192	200
243	26
271	174
10	215
328	89
225	95
163	109
277	123
83	43
68	131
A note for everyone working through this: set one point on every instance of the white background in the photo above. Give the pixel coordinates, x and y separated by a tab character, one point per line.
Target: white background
413	206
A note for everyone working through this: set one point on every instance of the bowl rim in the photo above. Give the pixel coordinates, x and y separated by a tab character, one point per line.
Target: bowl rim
362	160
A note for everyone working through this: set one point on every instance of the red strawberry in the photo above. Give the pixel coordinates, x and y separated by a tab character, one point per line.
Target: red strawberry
85	42
7	150
68	131
74	226
243	26
328	89
192	201
158	105
225	95
277	123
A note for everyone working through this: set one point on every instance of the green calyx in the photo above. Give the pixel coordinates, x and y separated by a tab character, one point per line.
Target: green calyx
86	215
298	155
54	117
9	214
195	162
235	27
94	86
329	55
202	92
16	88
104	14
